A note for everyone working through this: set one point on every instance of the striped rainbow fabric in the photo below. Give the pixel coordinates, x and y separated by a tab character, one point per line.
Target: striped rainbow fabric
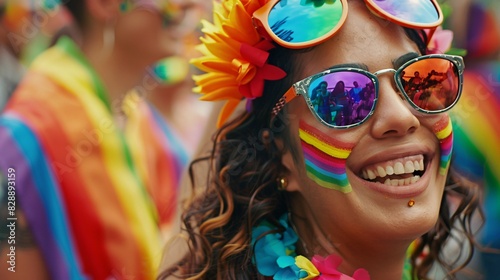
156	145
477	140
475	124
88	191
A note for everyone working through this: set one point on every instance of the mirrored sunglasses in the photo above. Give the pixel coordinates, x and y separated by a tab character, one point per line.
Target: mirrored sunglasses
305	23
346	97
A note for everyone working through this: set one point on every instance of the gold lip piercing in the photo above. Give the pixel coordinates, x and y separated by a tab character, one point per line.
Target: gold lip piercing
411	203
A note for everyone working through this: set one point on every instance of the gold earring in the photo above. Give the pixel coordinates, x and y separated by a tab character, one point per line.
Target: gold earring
282	183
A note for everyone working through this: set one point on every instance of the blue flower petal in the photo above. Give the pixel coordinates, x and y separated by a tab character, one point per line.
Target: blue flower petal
267	266
285	261
285	274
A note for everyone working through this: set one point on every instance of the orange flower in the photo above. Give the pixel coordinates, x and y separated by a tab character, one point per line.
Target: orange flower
234	56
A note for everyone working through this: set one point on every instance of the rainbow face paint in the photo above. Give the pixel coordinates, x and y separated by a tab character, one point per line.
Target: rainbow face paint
444	132
325	158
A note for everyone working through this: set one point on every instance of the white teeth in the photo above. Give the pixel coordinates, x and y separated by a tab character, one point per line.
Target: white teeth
409	167
398	168
371	175
389	170
414	179
381	171
395	167
401	182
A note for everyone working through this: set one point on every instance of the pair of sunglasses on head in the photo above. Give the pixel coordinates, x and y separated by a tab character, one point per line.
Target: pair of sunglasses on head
431	84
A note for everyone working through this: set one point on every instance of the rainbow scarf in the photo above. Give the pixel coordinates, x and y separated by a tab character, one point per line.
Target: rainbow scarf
477	138
87	191
164	156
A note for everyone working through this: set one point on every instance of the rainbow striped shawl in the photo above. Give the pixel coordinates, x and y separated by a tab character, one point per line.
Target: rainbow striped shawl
477	140
95	197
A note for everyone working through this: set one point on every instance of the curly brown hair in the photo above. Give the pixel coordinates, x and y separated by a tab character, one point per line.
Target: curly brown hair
242	190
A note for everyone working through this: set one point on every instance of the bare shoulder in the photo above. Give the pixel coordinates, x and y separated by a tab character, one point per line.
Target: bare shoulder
20	257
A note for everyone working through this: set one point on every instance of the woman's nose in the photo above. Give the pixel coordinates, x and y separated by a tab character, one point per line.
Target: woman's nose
393	116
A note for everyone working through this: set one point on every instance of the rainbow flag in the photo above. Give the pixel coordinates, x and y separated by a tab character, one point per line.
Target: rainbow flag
477	143
476	132
156	145
95	197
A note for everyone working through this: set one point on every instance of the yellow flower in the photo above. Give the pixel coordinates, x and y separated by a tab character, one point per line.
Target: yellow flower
306	265
234	56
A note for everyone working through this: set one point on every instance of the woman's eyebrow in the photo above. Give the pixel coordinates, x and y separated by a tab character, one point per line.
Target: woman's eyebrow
404	58
396	62
349	65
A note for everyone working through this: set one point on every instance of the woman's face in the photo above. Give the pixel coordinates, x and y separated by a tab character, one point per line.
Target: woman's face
148	29
394	135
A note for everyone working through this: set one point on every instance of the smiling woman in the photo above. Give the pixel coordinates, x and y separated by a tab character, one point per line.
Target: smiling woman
304	188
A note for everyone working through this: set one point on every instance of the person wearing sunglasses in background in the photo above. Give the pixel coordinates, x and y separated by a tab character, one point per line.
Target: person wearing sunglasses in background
292	195
85	180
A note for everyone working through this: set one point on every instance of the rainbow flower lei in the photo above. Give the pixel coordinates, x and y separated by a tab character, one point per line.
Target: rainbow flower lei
274	255
234	56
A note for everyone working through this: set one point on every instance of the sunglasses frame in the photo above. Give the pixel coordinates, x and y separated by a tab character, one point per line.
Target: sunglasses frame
301	87
383	14
261	22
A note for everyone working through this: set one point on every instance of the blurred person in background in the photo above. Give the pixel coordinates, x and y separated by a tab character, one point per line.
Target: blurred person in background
92	185
25	31
173	91
11	70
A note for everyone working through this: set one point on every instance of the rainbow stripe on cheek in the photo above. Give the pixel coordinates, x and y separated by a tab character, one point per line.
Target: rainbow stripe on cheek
444	132
325	158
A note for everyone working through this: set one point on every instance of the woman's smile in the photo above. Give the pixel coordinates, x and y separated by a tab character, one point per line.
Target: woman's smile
397	177
397	172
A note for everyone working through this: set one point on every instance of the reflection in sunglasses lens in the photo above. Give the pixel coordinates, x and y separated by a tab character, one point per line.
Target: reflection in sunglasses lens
296	22
342	98
432	84
413	11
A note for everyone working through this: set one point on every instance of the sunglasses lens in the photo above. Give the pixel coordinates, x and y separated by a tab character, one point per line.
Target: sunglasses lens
342	98
432	84
412	11
299	21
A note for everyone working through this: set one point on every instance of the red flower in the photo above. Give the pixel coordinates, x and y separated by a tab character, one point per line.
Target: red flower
328	269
